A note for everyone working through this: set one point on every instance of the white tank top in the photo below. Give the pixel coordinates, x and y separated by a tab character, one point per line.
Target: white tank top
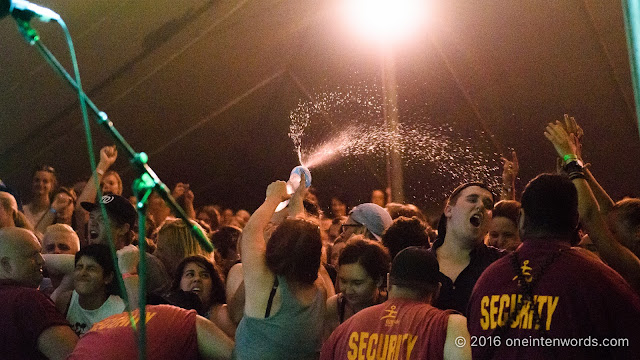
82	320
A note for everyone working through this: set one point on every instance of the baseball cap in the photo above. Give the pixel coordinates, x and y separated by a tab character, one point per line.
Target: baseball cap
117	207
415	266
374	217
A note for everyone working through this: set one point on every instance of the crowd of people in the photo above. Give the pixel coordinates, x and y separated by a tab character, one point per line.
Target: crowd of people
553	273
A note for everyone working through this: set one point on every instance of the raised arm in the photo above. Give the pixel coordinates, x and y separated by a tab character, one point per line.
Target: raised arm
258	279
234	290
612	252
509	173
184	196
252	241
296	209
296	203
604	200
128	259
108	156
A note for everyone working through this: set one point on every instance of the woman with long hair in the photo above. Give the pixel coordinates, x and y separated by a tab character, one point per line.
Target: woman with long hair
43	183
197	275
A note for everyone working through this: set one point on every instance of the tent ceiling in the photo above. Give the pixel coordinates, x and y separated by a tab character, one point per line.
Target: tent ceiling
206	88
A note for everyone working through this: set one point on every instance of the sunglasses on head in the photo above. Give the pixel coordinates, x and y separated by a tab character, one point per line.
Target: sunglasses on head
46	168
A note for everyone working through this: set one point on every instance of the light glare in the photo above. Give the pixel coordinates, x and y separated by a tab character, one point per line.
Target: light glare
386	20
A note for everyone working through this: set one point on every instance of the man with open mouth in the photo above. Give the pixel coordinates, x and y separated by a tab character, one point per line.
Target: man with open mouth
122	220
460	250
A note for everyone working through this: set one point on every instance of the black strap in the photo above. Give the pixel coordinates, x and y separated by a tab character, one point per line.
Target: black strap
271	296
342	303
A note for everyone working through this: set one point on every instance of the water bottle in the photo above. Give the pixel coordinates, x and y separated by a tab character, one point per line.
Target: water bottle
294	182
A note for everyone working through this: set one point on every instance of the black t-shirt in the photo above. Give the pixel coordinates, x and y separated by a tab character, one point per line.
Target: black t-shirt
455	295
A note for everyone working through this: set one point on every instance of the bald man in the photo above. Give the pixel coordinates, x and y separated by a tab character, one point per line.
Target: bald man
8	206
30	326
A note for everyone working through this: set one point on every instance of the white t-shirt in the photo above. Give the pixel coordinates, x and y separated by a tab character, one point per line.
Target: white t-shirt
33	218
82	320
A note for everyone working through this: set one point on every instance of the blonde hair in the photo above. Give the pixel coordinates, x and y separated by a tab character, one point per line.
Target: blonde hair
63	229
175	242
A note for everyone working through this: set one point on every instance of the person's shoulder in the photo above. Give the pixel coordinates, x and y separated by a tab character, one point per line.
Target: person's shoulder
591	269
371	312
170	312
117	302
493	275
456	322
332	304
497	266
157	272
492	252
577	257
235	270
20	293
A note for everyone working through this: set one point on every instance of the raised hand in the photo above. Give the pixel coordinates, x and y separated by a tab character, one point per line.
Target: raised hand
108	156
182	189
302	188
510	168
277	190
296	204
564	143
572	127
61	202
128	258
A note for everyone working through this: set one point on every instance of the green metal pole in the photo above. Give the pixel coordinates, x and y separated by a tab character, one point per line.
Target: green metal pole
632	24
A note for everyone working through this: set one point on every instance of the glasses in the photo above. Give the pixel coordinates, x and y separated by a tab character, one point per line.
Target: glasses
344	227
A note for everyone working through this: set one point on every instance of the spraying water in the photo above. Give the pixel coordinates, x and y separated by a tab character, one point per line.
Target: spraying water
340	125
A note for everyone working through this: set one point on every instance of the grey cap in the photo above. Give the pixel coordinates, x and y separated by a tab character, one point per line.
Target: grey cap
374	217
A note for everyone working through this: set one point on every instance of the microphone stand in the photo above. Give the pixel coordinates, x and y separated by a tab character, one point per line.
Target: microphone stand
146	182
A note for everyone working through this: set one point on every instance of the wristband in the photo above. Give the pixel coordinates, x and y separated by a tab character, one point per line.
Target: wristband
567	158
128	275
101	172
574	169
576	175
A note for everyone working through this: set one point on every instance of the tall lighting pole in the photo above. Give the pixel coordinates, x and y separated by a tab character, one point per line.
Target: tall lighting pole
386	22
395	177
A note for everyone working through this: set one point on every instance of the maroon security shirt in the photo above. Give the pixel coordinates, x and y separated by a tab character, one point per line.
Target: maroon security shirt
395	329
579	299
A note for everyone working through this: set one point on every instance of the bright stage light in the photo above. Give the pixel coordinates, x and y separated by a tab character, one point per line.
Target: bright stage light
386	20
